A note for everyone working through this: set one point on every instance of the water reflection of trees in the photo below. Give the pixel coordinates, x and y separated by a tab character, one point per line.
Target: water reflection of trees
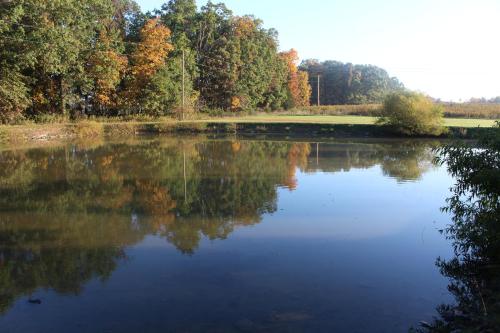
404	161
66	214
58	251
474	272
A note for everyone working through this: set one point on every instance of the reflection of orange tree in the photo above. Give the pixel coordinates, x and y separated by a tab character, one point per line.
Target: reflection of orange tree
155	201
231	179
297	158
82	206
223	184
236	146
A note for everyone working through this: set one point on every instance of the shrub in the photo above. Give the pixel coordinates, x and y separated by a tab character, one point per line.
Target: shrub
412	114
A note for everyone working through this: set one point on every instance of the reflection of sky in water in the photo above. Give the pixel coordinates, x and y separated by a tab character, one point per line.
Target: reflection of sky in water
359	204
346	251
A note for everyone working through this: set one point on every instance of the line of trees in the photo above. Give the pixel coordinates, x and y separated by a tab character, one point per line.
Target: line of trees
74	59
345	83
107	58
482	100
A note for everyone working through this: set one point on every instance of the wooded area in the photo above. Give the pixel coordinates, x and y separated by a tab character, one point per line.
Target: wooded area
341	83
107	58
74	59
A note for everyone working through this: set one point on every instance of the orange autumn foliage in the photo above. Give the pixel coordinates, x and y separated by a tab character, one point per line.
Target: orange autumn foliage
236	146
297	158
44	96
244	26
148	58
151	53
235	103
107	68
303	97
291	58
157	203
298	81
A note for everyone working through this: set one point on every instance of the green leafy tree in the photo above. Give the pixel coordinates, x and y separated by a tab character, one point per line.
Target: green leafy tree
14	89
238	60
182	19
106	69
213	46
258	65
61	35
148	60
14	98
475	235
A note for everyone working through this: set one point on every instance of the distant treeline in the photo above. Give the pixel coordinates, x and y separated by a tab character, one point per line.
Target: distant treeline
106	58
494	100
341	83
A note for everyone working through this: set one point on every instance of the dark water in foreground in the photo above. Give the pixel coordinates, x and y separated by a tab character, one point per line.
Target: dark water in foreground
196	235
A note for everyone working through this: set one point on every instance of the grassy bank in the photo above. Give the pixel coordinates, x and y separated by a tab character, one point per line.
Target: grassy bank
332	126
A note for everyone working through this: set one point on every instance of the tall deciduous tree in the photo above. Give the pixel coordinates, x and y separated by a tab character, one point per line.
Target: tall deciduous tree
238	60
213	53
106	68
182	19
151	52
304	96
299	90
260	71
148	58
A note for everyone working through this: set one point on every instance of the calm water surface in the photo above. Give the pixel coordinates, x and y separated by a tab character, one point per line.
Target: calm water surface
198	235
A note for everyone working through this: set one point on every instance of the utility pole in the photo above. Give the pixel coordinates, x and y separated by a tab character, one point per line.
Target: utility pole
183	82
318	90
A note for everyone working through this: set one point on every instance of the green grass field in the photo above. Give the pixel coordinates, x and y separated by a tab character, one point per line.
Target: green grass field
341	120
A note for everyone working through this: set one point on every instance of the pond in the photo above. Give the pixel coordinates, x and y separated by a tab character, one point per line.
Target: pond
196	234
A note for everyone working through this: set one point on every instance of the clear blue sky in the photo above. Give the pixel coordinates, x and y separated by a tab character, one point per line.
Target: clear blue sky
449	49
